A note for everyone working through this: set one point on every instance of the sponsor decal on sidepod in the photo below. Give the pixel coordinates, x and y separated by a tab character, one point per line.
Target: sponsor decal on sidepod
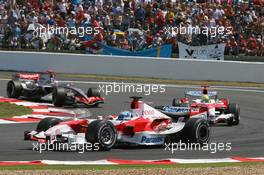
145	139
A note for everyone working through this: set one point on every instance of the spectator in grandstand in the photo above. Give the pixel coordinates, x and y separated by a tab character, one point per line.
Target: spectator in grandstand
232	46
150	18
260	47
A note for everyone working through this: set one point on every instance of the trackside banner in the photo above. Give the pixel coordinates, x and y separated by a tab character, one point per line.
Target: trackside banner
161	51
207	52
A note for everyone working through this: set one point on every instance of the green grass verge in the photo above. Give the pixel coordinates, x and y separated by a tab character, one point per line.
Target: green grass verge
113	167
10	110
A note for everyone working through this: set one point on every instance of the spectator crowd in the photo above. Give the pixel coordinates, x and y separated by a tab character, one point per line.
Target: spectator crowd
133	24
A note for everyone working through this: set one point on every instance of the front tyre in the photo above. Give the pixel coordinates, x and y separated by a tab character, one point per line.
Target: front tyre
58	97
234	109
47	123
196	130
13	89
93	92
102	133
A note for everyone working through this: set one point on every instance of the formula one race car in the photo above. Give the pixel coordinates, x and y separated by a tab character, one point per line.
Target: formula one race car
69	95
144	125
205	104
39	85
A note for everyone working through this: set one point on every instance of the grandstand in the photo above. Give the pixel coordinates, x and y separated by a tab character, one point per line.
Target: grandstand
132	25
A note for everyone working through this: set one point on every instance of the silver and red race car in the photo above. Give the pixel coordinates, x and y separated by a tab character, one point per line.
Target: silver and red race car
203	104
143	125
41	85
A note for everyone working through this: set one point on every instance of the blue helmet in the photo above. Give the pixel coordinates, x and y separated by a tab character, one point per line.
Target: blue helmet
125	115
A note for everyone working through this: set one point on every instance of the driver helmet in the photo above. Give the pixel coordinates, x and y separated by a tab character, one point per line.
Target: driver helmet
205	98
125	115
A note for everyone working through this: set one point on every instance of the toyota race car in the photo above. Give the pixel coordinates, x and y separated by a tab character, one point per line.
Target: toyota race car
39	85
143	125
205	104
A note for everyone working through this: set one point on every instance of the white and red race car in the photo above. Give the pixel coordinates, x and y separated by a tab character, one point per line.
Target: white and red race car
204	104
144	125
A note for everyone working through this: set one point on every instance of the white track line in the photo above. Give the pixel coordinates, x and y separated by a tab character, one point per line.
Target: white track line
222	160
225	88
95	162
6	121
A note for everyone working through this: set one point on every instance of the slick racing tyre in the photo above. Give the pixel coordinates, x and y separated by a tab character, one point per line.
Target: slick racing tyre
93	92
176	102
58	97
13	89
230	121
234	109
196	130
102	133
47	123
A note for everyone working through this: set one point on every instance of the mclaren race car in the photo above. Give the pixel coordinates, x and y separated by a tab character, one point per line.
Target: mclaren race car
40	85
203	104
143	125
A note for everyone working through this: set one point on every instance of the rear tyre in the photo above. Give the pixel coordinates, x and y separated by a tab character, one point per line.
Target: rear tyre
196	130
58	97
102	133
93	92
13	89
234	108
47	123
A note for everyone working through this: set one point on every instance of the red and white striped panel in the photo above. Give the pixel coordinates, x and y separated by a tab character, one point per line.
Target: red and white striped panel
134	162
39	111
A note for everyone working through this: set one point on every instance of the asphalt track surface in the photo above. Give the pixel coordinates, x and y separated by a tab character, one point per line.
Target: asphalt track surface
247	139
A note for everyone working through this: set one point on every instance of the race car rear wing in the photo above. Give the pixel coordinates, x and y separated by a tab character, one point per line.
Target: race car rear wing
26	76
200	93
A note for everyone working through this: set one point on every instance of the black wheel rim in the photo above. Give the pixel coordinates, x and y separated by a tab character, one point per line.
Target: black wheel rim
203	133
107	136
